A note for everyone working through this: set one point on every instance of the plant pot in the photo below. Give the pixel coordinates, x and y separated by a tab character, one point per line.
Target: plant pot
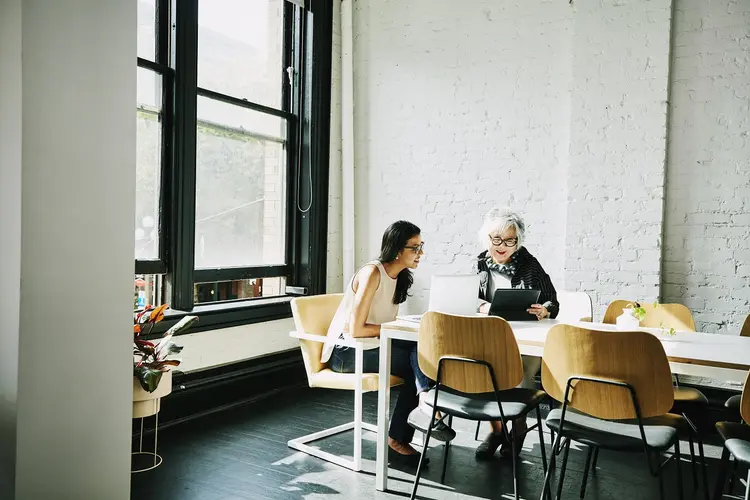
146	403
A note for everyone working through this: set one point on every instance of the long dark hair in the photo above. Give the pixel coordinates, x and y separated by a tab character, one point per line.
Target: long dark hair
395	238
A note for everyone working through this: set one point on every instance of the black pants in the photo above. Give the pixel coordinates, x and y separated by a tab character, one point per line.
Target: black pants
342	361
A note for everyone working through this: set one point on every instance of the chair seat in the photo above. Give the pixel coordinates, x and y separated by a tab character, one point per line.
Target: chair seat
624	435
733	403
736	438
688	396
329	379
516	402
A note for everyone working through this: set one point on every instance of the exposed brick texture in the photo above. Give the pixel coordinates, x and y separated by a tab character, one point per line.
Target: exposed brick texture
617	149
707	230
561	111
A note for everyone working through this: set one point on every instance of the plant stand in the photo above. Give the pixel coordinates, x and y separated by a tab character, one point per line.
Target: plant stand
135	463
146	404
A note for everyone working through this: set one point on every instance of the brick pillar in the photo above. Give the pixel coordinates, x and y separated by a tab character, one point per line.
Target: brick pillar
621	51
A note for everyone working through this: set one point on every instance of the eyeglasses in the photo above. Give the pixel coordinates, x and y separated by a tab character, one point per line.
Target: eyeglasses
508	242
416	248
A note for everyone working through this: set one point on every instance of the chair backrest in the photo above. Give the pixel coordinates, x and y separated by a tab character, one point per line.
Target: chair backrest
313	315
574	306
487	339
745	401
745	332
636	358
674	316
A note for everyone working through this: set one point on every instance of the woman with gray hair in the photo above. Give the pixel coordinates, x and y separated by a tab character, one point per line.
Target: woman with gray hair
507	264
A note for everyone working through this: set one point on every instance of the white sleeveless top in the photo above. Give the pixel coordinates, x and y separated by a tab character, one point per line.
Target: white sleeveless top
382	310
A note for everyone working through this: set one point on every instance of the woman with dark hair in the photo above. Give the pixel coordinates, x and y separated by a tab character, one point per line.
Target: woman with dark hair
371	299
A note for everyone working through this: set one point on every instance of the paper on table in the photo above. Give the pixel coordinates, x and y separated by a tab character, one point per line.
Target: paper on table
414	318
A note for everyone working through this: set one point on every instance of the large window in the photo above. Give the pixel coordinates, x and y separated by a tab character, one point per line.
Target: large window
232	120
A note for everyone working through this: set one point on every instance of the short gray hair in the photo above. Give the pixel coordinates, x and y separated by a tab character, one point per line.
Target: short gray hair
500	219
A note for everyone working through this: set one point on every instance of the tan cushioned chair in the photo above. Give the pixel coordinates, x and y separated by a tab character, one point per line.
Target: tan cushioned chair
312	317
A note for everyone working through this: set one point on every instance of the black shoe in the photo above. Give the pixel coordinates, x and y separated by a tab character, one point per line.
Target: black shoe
409	461
489	446
440	431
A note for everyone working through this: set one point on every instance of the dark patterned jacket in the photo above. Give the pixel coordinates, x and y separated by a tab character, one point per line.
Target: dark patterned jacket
529	274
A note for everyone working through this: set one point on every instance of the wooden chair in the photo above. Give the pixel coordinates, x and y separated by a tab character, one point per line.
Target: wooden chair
736	437
574	306
616	391
477	367
674	316
688	401
312	317
733	403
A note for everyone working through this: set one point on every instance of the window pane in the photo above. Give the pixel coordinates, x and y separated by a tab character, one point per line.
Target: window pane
148	290
240	188
224	291
148	165
147	29
240	49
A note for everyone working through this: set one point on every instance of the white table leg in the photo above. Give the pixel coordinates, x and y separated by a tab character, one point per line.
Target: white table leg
384	396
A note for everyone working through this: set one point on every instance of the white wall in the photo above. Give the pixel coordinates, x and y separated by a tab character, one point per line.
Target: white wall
10	234
77	202
229	345
560	110
460	107
617	149
707	232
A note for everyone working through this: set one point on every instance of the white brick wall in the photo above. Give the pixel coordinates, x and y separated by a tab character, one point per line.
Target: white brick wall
707	245
458	109
561	111
617	149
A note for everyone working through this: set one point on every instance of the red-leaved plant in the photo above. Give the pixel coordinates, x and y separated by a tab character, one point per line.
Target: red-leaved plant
150	358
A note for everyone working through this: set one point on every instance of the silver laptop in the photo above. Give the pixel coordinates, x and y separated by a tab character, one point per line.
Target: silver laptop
455	294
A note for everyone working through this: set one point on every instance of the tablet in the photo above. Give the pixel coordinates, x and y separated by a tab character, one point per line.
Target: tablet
511	303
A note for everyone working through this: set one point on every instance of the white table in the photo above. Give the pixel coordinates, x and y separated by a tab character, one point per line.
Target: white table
720	357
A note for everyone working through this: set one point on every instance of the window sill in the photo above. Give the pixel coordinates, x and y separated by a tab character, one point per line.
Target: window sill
227	315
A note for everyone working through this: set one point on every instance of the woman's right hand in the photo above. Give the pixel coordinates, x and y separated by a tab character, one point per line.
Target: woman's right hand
484	308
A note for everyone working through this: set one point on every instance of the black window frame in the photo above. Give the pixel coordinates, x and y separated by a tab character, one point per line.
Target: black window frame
307	48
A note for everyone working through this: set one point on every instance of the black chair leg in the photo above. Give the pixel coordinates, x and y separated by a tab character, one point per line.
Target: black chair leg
445	452
704	472
747	486
513	445
732	476
692	462
424	452
546	490
562	470
476	434
722	476
593	460
661	477
586	471
541	438
679	469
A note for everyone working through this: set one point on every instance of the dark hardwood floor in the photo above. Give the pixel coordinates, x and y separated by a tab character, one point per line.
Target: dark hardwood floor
242	454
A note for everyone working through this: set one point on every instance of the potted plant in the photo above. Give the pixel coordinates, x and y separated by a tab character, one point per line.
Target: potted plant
632	315
152	376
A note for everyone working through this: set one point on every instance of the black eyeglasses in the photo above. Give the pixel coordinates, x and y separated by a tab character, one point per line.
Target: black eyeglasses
508	242
416	248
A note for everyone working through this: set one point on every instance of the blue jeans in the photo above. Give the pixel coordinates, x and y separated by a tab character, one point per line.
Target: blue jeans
403	364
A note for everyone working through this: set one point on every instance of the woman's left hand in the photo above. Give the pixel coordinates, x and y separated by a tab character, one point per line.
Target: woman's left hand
539	311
